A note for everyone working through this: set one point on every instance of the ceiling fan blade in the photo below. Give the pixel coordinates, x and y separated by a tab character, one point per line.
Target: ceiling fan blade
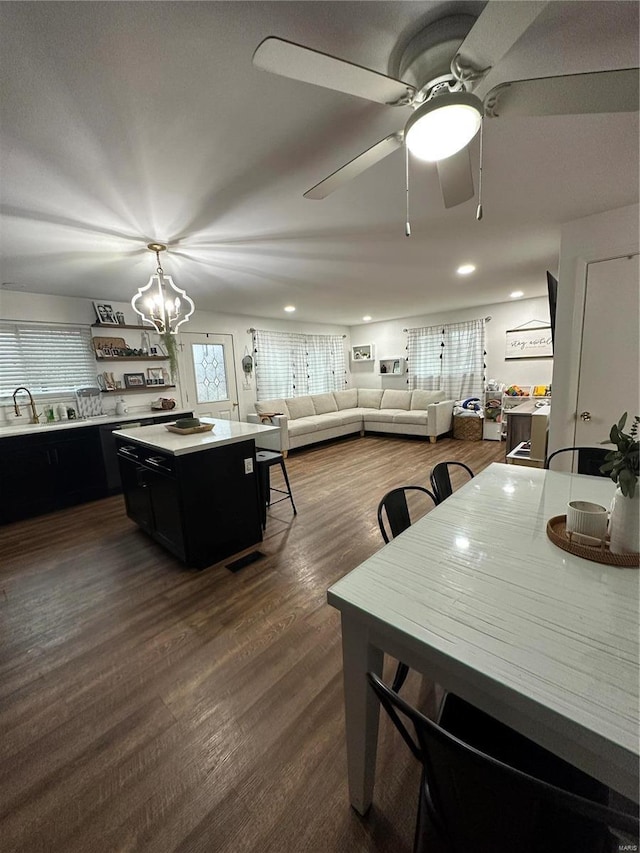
570	94
310	66
456	180
356	166
498	28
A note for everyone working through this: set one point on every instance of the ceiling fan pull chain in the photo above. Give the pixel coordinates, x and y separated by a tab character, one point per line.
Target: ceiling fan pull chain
479	209
407	224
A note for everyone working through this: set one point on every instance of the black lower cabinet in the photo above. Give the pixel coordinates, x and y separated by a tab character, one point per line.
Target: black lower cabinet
44	472
201	506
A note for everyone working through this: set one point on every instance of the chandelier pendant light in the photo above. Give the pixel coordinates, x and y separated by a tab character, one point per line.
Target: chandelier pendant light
161	303
443	125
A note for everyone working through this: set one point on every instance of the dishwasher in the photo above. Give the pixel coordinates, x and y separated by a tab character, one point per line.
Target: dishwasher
110	454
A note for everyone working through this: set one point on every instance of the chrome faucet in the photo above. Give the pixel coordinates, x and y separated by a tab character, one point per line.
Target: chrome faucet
35	419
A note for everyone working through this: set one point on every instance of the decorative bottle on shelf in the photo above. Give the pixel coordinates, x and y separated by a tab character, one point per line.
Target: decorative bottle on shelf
61	410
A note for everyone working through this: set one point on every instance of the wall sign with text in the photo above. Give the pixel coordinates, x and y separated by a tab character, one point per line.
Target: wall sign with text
529	343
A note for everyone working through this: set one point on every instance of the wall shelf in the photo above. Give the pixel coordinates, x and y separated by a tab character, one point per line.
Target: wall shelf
392	366
147	388
123	326
134	358
364	352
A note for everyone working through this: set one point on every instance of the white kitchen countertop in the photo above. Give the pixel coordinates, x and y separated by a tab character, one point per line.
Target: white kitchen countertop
224	432
34	429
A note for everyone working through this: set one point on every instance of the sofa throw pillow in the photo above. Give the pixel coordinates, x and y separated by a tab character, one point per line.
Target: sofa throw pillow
369	398
272	407
347	399
300	407
324	403
422	399
396	400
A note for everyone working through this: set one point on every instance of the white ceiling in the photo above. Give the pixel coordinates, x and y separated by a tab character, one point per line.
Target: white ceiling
124	123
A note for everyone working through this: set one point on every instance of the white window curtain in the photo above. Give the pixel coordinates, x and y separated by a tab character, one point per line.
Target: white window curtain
424	356
463	360
47	359
290	364
448	358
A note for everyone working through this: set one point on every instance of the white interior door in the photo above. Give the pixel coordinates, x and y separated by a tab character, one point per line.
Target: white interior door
210	375
609	382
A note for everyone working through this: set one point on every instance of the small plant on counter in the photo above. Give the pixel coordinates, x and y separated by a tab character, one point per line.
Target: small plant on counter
622	464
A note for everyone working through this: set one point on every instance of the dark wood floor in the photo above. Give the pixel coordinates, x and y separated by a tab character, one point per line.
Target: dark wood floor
148	707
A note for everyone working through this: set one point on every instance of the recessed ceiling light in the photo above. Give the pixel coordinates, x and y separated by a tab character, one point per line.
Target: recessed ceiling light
289	308
366	318
466	269
516	294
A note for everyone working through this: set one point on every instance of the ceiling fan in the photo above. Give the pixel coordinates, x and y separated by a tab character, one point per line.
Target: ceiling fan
445	69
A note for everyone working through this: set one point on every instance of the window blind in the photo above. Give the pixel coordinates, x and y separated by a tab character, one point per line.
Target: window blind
291	364
47	359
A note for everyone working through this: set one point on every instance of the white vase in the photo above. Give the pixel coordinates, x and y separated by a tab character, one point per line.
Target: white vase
624	524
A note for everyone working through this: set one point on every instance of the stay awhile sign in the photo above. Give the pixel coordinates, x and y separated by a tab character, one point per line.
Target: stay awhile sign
529	343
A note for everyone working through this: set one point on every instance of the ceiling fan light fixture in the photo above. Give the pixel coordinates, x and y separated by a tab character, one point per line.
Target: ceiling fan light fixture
443	126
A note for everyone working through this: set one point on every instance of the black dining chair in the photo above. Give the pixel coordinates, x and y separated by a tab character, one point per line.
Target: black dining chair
488	789
394	505
588	462
440	479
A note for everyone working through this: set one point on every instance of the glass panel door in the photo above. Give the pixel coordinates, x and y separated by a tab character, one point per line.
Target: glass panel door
210	386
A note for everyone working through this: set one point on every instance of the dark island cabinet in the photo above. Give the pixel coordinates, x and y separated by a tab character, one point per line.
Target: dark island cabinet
200	506
43	472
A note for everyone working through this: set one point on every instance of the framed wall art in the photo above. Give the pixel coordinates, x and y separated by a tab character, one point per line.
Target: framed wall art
533	342
134	380
105	314
155	376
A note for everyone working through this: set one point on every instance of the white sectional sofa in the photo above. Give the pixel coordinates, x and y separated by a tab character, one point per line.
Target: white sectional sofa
318	417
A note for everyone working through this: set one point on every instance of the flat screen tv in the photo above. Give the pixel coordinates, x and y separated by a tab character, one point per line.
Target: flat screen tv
552	287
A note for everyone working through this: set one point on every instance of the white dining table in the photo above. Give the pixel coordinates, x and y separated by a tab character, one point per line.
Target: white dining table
476	597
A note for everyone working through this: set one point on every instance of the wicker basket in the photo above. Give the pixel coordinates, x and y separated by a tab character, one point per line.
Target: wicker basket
467	429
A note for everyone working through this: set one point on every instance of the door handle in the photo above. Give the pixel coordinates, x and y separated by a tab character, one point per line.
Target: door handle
235	405
586	416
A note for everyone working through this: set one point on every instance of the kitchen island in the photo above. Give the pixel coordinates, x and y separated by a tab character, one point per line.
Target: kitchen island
195	494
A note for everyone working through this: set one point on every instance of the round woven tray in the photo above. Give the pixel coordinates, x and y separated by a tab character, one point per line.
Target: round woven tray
557	532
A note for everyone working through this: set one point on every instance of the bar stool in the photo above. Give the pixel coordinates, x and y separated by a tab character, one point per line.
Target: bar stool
265	459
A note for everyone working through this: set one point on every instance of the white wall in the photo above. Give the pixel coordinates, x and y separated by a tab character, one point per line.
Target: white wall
388	338
583	241
63	309
390	341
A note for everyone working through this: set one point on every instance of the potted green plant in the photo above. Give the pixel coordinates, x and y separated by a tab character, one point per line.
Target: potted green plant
623	466
171	345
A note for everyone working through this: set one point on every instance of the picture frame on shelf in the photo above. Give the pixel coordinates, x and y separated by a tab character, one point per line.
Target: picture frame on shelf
155	376
105	314
134	380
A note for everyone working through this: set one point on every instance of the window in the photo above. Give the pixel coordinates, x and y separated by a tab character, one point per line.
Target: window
46	359
210	372
289	364
450	358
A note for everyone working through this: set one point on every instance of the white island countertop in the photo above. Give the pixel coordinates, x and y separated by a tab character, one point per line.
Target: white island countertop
224	432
